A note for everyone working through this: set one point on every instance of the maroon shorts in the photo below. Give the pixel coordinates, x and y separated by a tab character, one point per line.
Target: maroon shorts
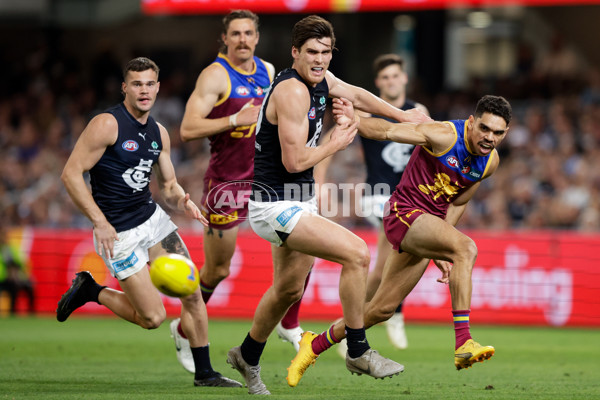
397	223
225	204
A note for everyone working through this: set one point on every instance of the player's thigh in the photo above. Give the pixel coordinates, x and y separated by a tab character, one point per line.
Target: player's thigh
320	237
142	294
433	238
219	246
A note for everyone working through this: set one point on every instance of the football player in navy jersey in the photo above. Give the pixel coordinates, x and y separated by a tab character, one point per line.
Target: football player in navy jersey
120	148
223	108
282	208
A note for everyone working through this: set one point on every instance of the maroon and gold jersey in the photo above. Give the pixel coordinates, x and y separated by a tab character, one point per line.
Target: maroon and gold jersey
432	181
232	151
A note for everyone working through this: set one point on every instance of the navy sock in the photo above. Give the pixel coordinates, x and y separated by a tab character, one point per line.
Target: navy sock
252	350
399	309
202	362
95	290
357	342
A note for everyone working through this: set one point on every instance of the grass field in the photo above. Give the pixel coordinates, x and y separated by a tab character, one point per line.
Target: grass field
106	358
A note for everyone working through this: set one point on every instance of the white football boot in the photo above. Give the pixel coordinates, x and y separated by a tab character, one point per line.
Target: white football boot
182	345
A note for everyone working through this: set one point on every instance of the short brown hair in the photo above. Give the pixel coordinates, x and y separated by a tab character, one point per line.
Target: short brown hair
140	64
312	27
385	60
233	15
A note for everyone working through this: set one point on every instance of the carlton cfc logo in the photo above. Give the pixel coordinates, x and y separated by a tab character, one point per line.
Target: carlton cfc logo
242	90
312	113
452	161
130	145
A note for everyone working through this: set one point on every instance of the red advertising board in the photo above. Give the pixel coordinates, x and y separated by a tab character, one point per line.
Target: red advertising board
162	7
519	278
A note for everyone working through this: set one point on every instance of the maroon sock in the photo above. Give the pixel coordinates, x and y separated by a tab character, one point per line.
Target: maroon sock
180	330
461	327
290	319
206	290
324	341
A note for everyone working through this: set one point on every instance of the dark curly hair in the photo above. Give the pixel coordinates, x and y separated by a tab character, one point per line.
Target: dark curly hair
496	105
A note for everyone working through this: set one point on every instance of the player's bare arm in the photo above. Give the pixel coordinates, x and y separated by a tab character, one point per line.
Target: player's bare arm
436	136
293	128
171	190
101	132
211	86
423	109
366	101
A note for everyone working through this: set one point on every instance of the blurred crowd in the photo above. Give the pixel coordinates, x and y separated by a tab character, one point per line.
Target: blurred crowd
549	175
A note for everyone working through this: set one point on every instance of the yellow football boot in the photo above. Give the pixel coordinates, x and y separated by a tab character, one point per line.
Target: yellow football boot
303	359
470	353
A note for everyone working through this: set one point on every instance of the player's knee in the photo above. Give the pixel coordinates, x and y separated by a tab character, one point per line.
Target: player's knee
360	256
154	320
469	251
290	294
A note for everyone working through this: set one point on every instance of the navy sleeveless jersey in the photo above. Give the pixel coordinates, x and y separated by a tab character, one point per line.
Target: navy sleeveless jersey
386	160
272	182
120	180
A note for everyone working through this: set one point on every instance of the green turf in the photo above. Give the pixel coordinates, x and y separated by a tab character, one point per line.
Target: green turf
106	358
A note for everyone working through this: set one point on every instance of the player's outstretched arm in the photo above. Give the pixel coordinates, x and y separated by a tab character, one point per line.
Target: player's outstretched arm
380	129
366	101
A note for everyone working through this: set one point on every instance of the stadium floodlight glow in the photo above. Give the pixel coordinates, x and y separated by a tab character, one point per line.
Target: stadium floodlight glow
166	7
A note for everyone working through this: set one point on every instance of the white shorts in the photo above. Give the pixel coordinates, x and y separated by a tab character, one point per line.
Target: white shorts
373	208
130	253
274	221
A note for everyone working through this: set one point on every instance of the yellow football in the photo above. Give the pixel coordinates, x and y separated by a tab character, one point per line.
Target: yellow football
174	275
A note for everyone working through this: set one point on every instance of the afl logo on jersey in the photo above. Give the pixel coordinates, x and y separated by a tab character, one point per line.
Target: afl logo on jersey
130	145
452	161
242	90
312	113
